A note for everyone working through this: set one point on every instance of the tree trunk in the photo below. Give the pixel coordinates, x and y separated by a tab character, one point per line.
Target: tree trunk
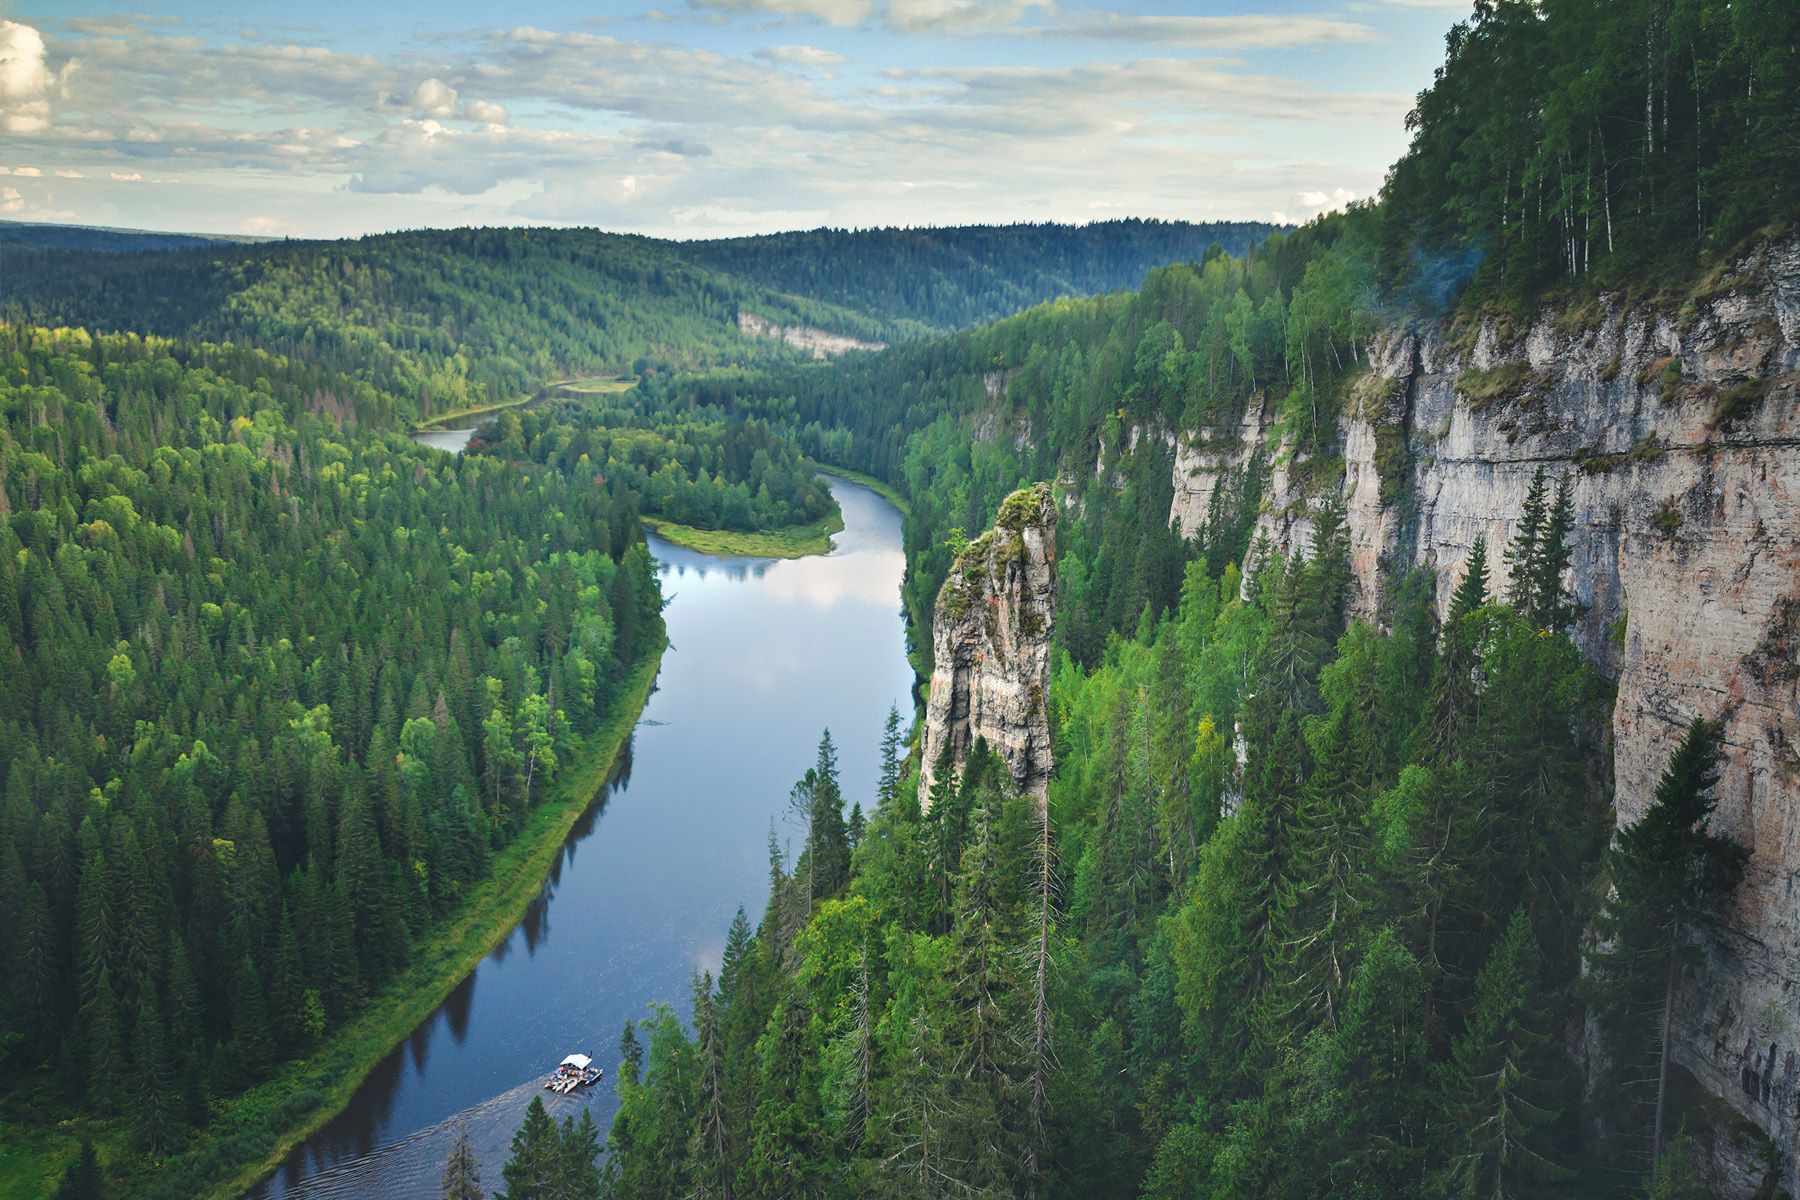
1662	1073
1040	1016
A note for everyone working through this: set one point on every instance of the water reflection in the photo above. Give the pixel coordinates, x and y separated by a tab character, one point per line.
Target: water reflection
453	440
765	653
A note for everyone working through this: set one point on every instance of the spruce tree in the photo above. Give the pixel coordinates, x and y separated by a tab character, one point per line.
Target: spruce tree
250	1023
1471	590
631	1054
82	1180
155	1084
828	844
105	1043
790	1148
532	1169
1373	1070
1553	608
888	785
710	1160
1498	1088
1323	894
462	1173
1669	873
577	1171
1522	552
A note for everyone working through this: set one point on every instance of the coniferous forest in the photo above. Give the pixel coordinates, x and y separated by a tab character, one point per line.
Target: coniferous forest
240	780
1317	906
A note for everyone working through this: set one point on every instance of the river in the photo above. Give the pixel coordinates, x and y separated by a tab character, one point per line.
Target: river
763	656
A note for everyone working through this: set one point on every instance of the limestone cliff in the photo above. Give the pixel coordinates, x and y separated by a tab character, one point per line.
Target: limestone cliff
822	343
1680	428
991	638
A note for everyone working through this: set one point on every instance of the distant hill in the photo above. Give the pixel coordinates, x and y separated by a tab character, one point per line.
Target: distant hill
457	317
105	239
958	277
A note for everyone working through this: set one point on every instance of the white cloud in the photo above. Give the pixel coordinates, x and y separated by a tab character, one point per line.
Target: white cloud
950	16
28	172
836	12
1304	206
11	200
659	137
1247	31
25	79
70	175
487	112
127	176
433	98
800	56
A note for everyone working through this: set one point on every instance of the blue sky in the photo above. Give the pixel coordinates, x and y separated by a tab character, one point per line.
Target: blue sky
701	118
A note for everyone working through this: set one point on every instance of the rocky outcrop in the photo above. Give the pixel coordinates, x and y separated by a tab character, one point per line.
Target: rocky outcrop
820	342
991	638
1680	430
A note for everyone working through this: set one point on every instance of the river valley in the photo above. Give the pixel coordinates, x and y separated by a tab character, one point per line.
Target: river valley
763	655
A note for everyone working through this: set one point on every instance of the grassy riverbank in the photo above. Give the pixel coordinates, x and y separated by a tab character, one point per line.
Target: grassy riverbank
795	541
885	491
252	1133
605	385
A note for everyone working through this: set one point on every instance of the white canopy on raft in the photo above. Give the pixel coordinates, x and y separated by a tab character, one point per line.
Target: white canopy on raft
578	1061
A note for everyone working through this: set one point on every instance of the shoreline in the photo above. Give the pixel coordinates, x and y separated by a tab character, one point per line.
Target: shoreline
323	1083
885	490
795	541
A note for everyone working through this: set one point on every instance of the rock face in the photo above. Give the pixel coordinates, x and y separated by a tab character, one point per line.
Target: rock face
1680	431
991	638
823	344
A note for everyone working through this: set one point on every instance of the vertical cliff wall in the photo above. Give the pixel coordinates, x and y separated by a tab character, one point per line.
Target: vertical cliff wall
991	642
1679	425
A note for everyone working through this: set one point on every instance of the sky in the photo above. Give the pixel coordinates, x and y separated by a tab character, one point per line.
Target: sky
701	118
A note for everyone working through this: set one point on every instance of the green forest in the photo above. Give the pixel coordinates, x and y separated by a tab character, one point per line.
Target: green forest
271	695
1316	907
444	320
1342	972
708	473
1361	962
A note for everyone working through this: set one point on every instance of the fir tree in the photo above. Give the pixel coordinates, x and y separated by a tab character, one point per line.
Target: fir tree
1669	873
887	787
462	1173
828	845
83	1179
250	1023
631	1054
1472	589
577	1170
155	1084
790	1150
532	1169
710	1158
1497	1087
1522	552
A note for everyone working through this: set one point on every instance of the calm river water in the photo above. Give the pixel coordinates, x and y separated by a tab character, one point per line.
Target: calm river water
763	656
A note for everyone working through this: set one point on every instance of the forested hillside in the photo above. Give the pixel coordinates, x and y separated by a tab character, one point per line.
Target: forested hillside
272	692
708	473
1059	389
961	276
1344	974
1317	906
16	236
1598	142
458	318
